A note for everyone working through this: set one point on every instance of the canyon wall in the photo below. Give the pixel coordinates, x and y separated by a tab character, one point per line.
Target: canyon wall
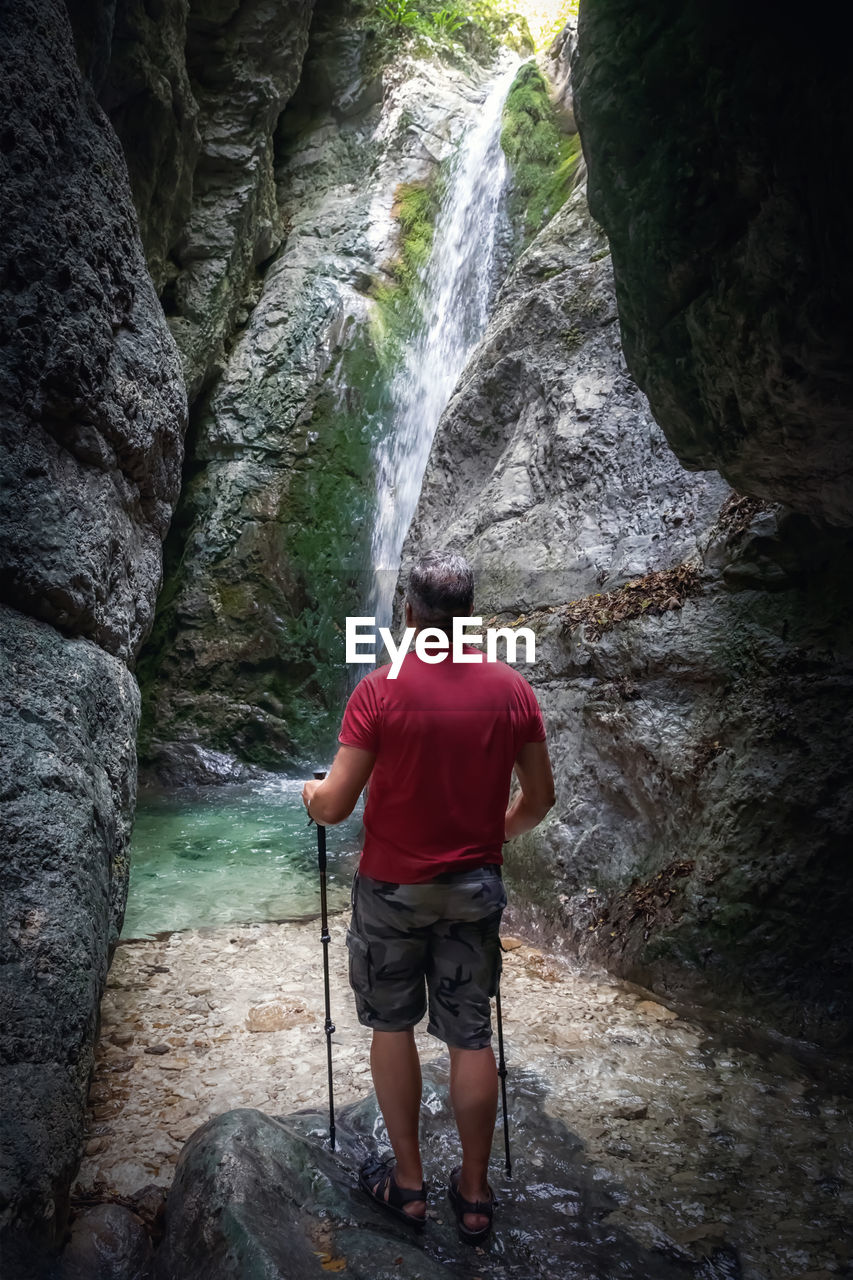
694	654
93	414
270	548
714	139
694	642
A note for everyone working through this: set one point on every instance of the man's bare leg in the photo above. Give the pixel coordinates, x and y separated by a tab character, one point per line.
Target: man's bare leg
396	1070
474	1098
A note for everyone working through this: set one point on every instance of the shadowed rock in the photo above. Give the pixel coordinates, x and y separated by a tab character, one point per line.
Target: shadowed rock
108	1242
264	1196
92	412
714	140
699	843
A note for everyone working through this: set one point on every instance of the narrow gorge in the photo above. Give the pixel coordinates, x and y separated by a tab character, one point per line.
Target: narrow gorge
291	293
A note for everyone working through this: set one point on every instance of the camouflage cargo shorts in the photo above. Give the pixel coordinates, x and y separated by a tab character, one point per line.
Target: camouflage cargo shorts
435	944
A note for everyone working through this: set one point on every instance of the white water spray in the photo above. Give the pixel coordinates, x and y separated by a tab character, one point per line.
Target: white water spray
458	285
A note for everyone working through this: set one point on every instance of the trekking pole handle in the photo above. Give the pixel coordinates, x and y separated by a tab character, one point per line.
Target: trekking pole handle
319	774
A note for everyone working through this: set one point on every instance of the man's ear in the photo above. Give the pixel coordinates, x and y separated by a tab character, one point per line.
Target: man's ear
409	619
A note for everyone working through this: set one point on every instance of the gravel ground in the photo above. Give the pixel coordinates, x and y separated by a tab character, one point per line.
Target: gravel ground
711	1142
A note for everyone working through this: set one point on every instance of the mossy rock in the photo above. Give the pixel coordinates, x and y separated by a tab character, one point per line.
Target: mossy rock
541	156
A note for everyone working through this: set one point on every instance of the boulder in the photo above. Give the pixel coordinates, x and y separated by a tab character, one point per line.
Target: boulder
265	1196
108	1242
68	785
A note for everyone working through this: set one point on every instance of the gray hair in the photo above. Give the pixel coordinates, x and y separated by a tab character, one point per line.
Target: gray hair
440	588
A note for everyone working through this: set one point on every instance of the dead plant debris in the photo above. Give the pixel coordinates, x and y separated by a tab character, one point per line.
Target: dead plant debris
653	594
738	511
648	899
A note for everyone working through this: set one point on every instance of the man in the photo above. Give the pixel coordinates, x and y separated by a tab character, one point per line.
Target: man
439	744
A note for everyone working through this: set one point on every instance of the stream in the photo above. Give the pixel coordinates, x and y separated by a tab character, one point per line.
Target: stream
232	854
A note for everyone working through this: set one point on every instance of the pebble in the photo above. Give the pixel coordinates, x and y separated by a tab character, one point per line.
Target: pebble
657	1011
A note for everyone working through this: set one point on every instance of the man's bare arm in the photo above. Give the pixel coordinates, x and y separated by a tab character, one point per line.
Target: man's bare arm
533	770
334	798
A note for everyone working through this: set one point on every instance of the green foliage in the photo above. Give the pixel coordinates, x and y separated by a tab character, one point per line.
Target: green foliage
477	27
399	13
542	158
447	20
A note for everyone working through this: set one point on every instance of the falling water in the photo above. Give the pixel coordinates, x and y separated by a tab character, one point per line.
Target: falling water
458	285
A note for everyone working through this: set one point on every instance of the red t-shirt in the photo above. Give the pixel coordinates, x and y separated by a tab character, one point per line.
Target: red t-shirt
446	736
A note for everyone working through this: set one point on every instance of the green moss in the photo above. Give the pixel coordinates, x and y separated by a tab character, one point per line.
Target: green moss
397	313
236	600
542	158
325	524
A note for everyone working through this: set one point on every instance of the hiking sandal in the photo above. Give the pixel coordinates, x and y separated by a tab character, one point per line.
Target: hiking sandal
461	1206
376	1179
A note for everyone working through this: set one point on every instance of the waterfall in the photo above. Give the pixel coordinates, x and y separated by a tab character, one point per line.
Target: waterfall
458	284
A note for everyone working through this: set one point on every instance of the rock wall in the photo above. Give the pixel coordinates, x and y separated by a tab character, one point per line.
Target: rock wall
732	253
194	89
93	413
272	537
693	647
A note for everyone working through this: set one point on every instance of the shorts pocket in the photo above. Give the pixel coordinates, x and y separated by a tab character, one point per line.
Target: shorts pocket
497	970
359	963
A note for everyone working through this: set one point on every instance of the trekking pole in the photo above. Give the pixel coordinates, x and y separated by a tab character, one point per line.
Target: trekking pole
502	1074
324	938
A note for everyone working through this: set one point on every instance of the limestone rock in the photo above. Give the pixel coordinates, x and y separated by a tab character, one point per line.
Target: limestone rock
547	465
194	89
733	272
243	61
146	91
277	1016
93	412
696	846
270	543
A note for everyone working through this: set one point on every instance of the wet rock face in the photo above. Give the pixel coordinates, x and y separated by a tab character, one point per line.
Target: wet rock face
732	270
703	808
93	413
93	403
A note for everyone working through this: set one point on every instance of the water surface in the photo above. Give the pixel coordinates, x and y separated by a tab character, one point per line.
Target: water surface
231	854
